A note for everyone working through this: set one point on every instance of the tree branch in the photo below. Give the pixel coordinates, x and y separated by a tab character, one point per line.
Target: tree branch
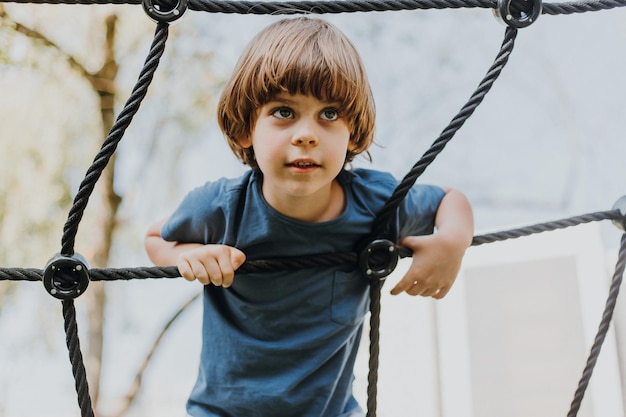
133	391
98	83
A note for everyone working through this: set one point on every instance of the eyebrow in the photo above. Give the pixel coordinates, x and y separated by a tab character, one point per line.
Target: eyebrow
284	98
281	98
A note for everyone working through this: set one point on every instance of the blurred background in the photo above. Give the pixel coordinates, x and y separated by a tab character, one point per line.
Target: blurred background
511	338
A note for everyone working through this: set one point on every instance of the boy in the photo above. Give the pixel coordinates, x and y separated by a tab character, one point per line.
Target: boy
297	109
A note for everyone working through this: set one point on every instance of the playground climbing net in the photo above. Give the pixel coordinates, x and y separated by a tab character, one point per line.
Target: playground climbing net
67	275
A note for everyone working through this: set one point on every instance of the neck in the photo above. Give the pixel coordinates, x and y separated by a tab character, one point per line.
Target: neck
326	205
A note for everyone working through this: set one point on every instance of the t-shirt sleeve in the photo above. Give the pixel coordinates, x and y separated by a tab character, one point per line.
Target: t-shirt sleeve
415	214
209	214
418	210
201	216
190	221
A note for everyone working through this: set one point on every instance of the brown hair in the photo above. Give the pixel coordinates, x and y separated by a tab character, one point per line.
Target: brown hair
298	56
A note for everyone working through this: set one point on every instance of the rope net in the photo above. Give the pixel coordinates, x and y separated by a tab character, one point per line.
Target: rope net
66	276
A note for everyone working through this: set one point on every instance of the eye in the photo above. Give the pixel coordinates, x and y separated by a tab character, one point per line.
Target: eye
330	114
283	113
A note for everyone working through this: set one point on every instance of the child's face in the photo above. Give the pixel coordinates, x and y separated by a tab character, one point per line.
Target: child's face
300	145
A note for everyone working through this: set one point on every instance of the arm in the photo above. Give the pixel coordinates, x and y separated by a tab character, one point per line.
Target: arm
207	263
437	257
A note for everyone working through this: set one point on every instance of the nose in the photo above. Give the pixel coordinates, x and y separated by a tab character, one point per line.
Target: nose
305	134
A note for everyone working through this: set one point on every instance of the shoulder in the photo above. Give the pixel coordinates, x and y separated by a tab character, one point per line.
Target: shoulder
369	180
218	192
366	190
367	175
374	188
204	212
380	182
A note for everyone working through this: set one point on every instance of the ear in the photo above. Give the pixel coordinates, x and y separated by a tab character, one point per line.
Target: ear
352	145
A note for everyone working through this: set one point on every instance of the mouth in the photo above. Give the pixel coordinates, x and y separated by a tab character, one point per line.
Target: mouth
303	164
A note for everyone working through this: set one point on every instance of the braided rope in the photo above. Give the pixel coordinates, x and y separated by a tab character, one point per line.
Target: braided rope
347	6
385	216
581	6
244	7
279	264
76	359
331	7
387	213
82	198
603	328
374	348
110	144
547	227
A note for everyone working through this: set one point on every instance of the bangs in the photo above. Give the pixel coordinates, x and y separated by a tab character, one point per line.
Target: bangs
314	60
313	75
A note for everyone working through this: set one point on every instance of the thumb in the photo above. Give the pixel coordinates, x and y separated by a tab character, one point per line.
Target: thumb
412	242
237	257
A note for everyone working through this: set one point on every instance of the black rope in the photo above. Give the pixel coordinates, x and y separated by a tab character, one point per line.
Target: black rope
384	217
374	348
603	328
387	213
581	6
110	144
153	272
345	6
331	7
110	274
82	197
76	359
280	264
547	227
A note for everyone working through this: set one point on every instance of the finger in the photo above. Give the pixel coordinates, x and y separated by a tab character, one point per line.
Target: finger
399	288
413	242
421	289
442	293
227	270
237	257
184	269
412	282
214	272
429	292
200	272
408	286
230	264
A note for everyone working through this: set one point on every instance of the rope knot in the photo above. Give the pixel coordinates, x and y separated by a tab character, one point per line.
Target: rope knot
518	13
378	259
620	205
66	277
164	11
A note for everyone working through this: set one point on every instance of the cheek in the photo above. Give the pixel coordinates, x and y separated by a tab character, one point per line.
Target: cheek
267	151
339	150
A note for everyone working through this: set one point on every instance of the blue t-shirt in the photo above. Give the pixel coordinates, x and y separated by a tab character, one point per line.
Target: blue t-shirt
283	344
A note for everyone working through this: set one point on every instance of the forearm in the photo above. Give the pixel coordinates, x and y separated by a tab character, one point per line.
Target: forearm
455	219
439	255
162	252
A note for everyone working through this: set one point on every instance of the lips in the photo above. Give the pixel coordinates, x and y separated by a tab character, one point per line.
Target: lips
303	163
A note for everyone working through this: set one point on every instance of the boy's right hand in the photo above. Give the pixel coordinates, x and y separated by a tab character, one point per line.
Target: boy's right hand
215	264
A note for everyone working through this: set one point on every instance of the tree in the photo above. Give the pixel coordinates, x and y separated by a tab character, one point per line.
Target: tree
103	83
63	160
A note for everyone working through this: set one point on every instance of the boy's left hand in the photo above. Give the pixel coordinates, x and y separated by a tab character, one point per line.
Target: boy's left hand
436	263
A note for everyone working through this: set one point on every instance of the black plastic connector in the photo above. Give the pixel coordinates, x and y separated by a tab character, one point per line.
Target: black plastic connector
66	277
